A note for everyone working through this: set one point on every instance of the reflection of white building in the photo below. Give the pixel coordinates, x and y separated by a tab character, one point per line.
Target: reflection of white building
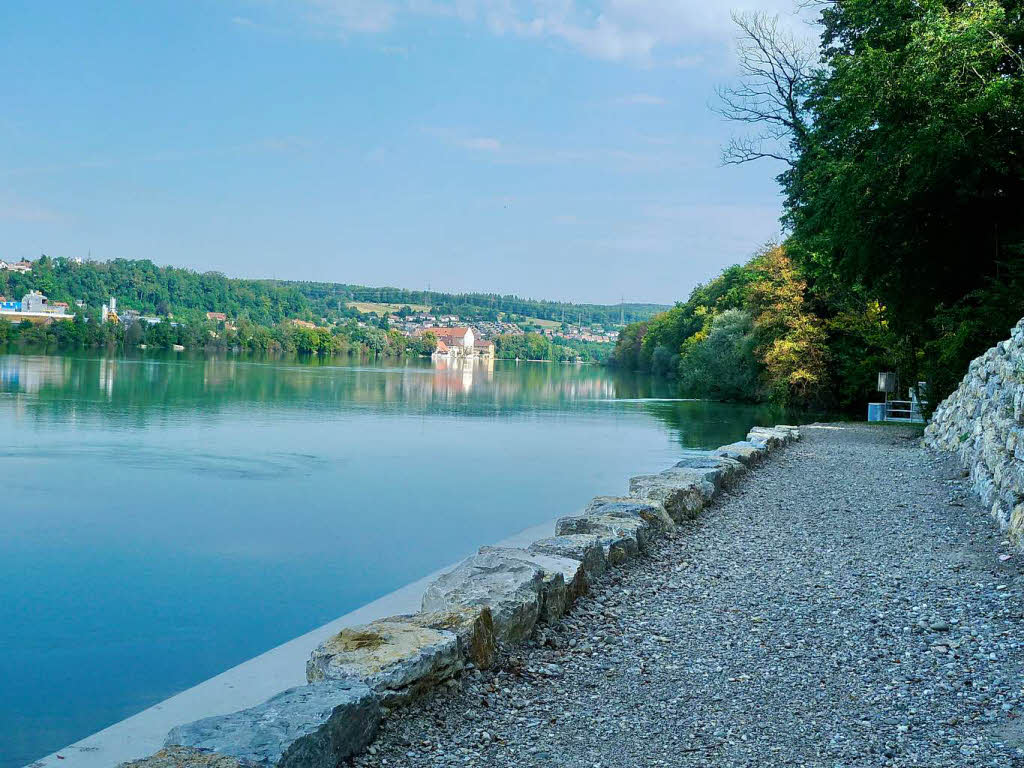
31	374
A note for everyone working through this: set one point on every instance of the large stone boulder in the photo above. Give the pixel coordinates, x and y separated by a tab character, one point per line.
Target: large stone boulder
622	539
564	580
766	438
682	497
589	549
472	625
792	432
510	587
312	726
771	438
630	508
720	471
394	658
744	452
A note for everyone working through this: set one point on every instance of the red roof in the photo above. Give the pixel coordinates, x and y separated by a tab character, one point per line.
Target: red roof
441	347
216	316
447	333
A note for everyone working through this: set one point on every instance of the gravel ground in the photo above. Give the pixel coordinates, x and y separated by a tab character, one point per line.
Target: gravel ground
848	604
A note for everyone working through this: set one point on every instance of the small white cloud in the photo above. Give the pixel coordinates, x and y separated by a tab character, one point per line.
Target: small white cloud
242	21
645	99
482	144
346	16
646	32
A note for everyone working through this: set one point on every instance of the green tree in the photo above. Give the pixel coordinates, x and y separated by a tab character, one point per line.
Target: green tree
723	365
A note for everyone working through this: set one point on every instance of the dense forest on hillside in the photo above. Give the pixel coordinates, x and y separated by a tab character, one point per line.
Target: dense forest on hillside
901	138
258	311
142	285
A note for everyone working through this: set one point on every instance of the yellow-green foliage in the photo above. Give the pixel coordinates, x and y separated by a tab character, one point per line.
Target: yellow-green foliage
792	340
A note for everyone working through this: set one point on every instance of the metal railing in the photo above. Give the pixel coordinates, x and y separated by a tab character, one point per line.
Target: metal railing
904	410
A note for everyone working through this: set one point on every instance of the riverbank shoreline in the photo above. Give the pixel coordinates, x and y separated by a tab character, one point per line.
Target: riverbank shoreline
488	605
851	603
680	492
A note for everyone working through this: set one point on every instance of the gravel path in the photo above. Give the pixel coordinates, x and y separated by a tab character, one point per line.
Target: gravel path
849	604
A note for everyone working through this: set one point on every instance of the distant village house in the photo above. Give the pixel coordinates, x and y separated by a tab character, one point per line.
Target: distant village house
460	338
21	266
36	308
459	342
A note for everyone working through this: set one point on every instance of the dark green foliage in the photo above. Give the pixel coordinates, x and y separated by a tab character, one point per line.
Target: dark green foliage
911	185
669	330
724	366
152	290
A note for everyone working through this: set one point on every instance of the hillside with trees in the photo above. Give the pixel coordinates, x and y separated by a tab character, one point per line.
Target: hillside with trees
901	139
261	313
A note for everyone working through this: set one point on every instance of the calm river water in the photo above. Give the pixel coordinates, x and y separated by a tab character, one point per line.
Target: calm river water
165	517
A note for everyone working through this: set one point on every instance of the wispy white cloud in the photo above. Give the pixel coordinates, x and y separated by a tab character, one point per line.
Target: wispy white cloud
642	31
344	17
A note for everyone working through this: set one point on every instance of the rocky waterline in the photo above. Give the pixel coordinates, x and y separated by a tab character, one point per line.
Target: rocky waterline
845	605
490	604
849	604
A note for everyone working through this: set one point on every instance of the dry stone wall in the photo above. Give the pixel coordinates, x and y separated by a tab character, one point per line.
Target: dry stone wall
492	599
983	423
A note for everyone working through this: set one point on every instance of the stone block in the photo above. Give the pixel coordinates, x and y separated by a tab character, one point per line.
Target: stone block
394	658
565	579
683	496
622	539
510	587
744	452
587	548
312	726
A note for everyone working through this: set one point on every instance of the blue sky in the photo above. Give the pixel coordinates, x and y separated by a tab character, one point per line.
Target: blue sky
552	148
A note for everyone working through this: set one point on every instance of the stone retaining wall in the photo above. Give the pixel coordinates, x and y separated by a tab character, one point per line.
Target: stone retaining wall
983	422
491	600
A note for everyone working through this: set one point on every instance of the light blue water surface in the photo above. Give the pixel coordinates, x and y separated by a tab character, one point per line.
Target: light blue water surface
167	517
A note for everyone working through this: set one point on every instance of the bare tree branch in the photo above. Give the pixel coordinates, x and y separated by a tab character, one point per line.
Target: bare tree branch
775	70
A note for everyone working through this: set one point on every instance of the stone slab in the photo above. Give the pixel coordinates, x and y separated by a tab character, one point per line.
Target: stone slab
311	726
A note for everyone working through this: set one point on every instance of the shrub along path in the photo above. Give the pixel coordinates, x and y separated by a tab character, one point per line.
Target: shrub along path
847	604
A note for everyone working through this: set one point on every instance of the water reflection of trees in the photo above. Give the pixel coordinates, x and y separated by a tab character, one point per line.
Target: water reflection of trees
214	381
157	386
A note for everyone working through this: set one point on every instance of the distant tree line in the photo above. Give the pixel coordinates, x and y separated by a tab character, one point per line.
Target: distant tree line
327	297
534	346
